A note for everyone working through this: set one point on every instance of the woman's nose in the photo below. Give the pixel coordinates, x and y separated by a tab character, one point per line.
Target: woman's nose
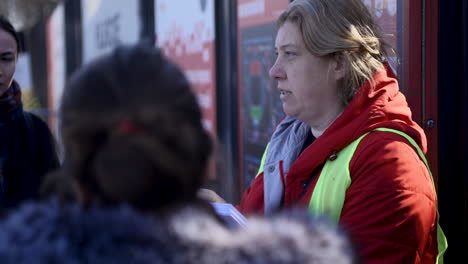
276	72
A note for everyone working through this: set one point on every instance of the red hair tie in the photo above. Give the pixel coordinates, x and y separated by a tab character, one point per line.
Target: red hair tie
127	126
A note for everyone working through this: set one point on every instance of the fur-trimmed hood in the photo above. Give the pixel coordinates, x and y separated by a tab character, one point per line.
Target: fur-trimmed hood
49	233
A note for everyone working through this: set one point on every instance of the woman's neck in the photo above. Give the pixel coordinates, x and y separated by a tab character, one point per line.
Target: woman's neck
327	120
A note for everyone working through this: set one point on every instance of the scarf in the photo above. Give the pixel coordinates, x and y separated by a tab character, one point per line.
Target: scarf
10	102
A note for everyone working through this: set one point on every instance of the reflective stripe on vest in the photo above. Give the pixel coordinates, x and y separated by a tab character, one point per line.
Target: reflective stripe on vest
330	191
262	162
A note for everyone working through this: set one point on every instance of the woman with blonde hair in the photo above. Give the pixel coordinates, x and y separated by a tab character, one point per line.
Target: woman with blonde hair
347	147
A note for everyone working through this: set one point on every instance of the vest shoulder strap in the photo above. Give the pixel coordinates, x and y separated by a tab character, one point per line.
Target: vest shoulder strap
334	180
262	162
329	192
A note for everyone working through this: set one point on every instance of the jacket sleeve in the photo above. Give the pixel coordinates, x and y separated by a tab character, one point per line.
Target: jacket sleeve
390	207
47	146
252	200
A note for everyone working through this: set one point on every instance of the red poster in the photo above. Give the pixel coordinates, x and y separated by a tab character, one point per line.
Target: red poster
257	12
187	37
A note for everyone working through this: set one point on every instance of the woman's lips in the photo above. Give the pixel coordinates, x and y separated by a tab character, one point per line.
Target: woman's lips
284	93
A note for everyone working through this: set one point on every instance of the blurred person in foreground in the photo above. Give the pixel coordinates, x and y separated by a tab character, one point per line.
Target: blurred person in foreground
27	147
347	148
135	155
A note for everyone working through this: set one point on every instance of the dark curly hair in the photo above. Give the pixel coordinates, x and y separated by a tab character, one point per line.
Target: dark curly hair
8	27
132	131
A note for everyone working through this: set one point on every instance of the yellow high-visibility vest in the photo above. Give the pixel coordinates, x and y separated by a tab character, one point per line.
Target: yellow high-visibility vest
330	191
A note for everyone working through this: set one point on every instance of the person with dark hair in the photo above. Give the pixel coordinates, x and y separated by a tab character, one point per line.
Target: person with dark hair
136	154
347	148
27	147
132	131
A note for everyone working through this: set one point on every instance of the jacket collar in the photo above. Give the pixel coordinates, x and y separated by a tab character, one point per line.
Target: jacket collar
384	106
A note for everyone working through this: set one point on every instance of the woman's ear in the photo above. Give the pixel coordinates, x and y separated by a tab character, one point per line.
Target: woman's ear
339	66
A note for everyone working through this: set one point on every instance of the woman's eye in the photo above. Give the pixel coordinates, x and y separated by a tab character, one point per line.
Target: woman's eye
7	59
289	53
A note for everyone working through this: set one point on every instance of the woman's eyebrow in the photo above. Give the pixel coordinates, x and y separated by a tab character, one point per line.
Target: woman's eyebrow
285	46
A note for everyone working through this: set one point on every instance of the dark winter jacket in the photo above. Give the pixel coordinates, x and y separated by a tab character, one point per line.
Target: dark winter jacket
27	153
48	233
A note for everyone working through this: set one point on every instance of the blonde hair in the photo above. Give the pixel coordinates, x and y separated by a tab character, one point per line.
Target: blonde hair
341	27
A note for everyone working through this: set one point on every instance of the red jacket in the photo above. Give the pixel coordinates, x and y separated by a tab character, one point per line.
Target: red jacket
390	207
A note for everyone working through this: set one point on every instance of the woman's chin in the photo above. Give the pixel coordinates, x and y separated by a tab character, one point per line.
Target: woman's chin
289	111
